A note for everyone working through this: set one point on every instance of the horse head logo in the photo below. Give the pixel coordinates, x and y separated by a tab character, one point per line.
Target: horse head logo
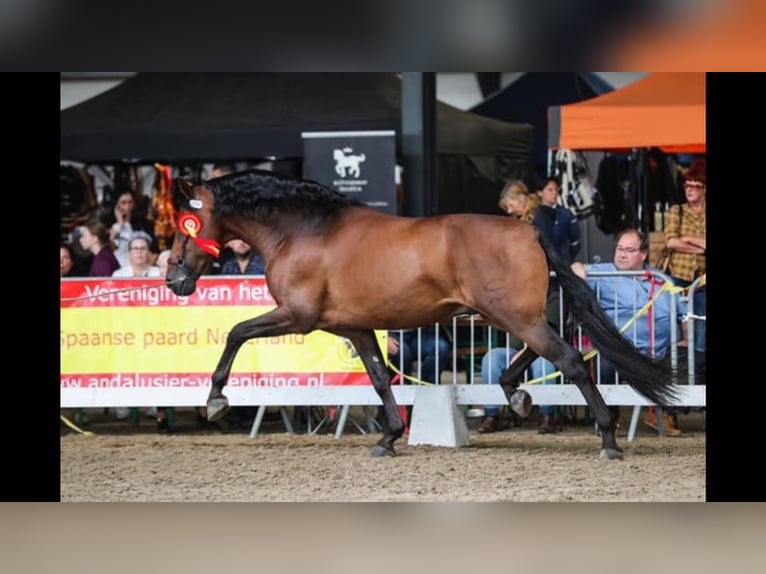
347	164
347	352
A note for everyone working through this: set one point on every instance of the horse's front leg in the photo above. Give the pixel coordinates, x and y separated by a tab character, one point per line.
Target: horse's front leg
366	344
276	322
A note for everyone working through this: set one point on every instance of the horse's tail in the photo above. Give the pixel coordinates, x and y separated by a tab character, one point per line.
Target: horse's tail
644	374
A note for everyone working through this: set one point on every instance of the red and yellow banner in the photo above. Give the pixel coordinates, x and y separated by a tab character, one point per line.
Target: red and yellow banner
127	333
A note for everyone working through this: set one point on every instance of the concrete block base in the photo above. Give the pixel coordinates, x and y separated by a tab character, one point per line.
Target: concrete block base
437	419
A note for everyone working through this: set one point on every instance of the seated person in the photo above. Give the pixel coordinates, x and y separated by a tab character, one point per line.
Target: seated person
94	237
70	266
123	221
403	352
495	361
244	260
139	253
622	297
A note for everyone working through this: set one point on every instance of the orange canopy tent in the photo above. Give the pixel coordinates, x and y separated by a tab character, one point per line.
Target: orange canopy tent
664	110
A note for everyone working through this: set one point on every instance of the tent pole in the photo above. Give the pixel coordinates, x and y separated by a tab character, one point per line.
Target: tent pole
418	142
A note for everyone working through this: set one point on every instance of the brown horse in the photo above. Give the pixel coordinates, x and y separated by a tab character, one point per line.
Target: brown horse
337	265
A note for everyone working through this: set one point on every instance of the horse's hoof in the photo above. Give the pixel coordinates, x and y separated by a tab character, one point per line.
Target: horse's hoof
216	408
379	451
610	454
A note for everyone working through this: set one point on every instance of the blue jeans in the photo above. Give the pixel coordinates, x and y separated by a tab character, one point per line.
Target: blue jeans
496	360
408	349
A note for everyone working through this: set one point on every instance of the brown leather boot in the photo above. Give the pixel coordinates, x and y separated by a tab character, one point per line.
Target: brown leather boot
548	425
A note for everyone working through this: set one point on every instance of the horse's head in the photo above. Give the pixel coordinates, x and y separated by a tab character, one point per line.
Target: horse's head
195	241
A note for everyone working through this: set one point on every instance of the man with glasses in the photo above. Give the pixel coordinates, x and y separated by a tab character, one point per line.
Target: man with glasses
621	297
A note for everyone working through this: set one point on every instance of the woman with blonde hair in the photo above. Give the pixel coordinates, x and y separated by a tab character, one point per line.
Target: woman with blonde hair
516	201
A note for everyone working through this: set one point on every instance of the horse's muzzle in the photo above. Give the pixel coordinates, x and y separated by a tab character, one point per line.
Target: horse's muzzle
181	281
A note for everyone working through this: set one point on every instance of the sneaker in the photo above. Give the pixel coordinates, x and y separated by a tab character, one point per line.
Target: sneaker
670	426
491	424
548	425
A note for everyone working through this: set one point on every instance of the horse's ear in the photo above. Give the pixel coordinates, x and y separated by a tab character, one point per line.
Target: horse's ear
182	191
185	186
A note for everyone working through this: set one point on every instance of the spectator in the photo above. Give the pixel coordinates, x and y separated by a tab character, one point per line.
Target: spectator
403	351
138	258
161	412
70	266
685	236
84	257
138	266
94	237
492	366
566	229
516	201
621	297
123	222
245	260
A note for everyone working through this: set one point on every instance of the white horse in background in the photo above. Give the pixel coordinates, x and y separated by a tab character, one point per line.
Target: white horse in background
345	162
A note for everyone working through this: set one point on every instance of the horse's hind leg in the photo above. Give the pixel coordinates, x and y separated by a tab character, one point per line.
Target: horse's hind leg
569	361
272	324
574	368
511	377
366	344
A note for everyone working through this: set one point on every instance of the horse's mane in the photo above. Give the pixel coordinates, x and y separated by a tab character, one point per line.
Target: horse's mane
260	193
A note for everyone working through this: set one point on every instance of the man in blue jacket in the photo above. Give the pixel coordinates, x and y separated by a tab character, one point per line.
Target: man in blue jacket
621	296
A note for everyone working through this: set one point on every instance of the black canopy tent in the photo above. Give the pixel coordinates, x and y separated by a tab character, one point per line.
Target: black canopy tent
527	99
181	118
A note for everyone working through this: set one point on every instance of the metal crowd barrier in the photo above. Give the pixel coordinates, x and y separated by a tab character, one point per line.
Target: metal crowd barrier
472	349
692	319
